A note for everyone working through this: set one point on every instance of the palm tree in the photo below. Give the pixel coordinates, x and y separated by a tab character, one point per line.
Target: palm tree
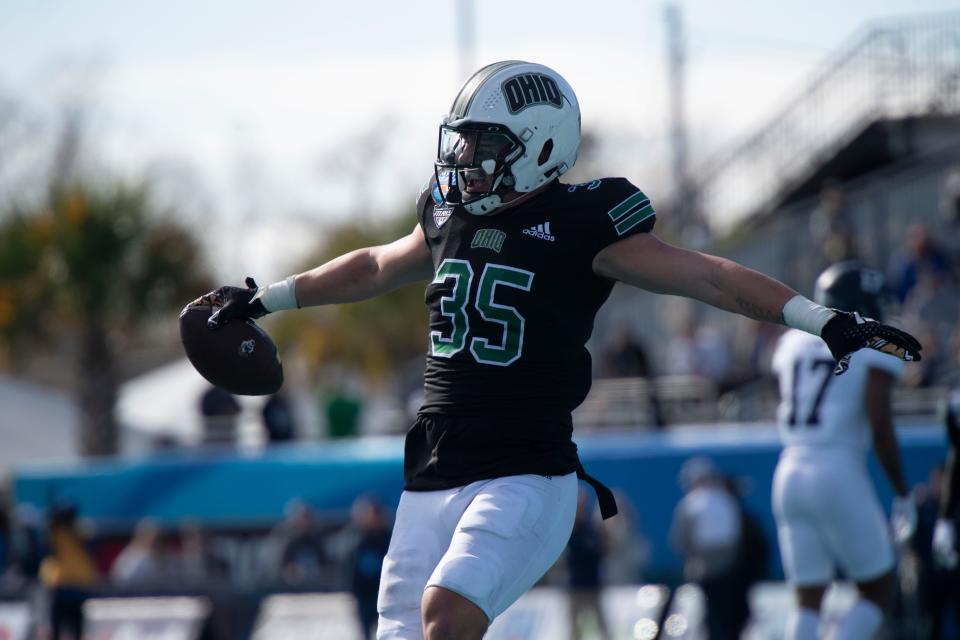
82	275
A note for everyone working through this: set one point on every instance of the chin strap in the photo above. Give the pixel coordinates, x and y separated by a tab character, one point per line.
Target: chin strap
483	206
490	203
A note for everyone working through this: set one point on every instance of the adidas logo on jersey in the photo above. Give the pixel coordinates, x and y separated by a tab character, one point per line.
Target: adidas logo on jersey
541	231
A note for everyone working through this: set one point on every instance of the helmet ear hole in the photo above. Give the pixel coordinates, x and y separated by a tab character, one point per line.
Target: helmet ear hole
545	152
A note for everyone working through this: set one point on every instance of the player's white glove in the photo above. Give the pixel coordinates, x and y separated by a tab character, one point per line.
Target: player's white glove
945	544
903	518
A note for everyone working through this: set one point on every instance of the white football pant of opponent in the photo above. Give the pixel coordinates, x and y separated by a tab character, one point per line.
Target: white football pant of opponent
826	509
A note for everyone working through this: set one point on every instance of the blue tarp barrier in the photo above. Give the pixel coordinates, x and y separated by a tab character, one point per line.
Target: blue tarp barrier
222	489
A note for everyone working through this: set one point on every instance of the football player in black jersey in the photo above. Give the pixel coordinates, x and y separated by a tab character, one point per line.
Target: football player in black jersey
520	263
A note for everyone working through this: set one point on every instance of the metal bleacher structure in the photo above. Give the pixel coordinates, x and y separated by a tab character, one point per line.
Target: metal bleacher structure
892	69
618	403
889	72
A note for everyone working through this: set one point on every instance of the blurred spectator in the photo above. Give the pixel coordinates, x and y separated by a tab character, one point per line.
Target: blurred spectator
343	414
627	549
935	302
299	546
761	342
25	546
952	376
950	198
682	350
585	552
699	350
142	561
831	227
220	411
628	358
950	214
197	563
369	519
278	420
753	552
69	572
920	254
939	587
707	531
713	355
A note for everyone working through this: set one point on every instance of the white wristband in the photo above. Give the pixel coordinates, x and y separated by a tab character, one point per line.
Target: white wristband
279	296
806	315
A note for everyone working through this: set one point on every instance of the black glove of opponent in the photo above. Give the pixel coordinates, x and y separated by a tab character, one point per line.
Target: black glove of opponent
848	332
236	303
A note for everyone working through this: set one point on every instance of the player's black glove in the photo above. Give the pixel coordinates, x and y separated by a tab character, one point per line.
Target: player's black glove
848	332
236	303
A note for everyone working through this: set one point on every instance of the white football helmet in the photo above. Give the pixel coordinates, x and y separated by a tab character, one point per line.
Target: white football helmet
514	126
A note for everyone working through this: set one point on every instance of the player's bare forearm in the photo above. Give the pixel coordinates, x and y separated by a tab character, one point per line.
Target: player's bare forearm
348	278
644	261
747	292
877	399
366	273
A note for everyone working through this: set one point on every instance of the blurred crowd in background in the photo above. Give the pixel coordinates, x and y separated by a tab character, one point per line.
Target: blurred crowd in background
59	560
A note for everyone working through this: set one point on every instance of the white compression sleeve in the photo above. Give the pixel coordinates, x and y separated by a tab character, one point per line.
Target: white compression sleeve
279	296
806	315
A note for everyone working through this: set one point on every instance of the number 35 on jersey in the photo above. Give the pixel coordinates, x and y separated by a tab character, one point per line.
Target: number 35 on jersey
460	275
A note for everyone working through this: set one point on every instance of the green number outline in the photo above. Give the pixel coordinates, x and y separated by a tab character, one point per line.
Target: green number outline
462	273
453	306
508	317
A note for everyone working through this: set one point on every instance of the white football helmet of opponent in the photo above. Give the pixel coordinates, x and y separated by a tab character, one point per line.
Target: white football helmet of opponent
513	127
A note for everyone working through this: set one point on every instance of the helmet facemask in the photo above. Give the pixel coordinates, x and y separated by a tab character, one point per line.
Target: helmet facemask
473	164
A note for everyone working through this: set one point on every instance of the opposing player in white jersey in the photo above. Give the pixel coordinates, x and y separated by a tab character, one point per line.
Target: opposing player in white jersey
827	512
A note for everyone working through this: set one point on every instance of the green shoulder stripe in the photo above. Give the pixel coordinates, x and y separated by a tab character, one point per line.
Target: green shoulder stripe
636	200
629	222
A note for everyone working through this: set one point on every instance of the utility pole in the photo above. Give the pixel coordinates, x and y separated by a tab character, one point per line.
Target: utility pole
676	77
465	38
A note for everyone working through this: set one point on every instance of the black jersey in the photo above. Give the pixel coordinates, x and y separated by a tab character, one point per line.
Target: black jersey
512	306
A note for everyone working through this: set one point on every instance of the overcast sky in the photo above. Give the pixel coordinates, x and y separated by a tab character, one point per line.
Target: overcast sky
262	102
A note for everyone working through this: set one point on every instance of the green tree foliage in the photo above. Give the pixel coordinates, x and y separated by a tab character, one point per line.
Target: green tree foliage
81	275
372	337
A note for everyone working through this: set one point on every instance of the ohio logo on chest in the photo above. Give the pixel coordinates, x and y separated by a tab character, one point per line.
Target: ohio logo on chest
528	89
488	239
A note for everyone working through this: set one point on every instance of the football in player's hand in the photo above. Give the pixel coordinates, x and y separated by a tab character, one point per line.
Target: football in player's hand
239	357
